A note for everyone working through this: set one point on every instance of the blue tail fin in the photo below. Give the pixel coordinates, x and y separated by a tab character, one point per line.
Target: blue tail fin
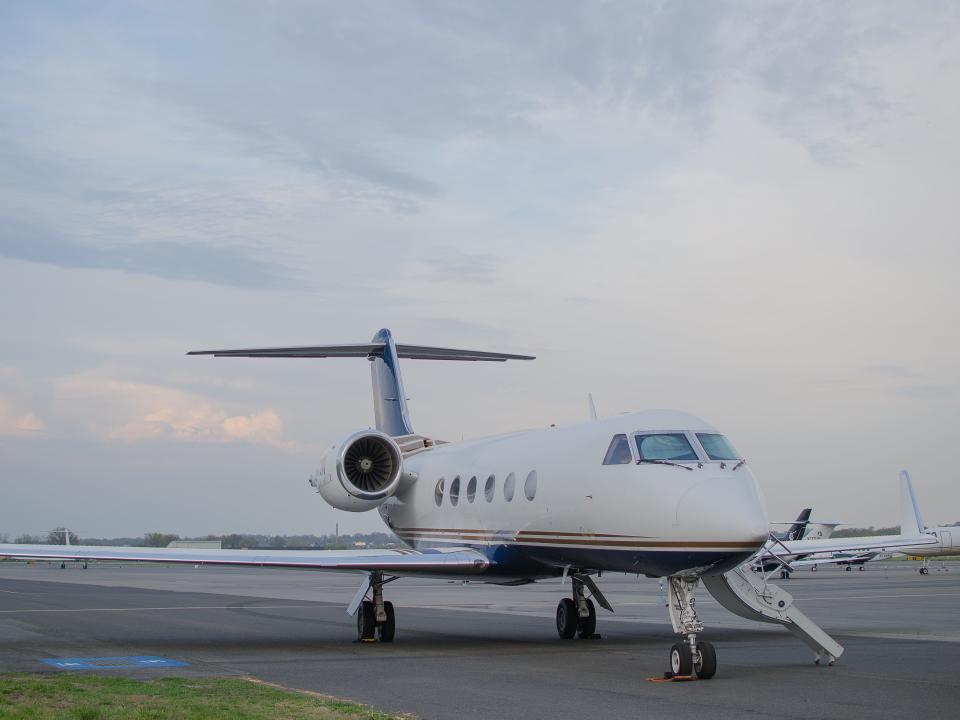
389	399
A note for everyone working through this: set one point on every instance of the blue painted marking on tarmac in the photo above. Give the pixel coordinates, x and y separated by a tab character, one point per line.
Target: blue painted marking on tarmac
112	663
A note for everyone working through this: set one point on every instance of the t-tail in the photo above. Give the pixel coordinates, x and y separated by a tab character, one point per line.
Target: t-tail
389	401
911	525
798	528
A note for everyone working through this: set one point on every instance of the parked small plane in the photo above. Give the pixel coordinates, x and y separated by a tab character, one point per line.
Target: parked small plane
946	541
803	528
658	493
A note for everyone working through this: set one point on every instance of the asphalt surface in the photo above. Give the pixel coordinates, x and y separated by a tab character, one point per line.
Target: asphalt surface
477	651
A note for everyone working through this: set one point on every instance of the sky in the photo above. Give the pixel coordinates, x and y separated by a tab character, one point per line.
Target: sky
744	210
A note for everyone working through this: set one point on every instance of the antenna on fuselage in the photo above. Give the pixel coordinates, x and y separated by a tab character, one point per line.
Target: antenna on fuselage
593	407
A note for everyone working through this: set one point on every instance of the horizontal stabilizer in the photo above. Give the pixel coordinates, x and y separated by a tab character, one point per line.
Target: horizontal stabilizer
375	349
389	399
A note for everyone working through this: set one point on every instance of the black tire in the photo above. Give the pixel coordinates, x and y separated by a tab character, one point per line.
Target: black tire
386	629
681	659
366	621
706	665
861	568
587	627
848	568
567	619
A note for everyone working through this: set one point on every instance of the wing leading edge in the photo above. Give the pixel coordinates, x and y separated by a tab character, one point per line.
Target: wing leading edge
398	562
372	349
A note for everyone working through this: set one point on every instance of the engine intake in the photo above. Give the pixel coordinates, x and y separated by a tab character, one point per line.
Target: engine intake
361	472
371	464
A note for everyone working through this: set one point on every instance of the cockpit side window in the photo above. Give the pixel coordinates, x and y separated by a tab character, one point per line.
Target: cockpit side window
717	447
619	452
665	446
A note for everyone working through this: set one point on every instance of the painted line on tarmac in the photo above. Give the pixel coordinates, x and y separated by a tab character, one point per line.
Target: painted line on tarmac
871	597
11	592
136	609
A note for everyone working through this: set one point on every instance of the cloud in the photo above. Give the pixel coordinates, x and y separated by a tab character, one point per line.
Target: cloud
133	412
16	417
897	372
169	259
17	423
451	264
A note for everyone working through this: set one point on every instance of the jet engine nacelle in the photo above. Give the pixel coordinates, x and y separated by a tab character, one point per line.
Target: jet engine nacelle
360	472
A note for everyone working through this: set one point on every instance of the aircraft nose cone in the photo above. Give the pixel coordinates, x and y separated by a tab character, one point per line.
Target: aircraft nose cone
726	509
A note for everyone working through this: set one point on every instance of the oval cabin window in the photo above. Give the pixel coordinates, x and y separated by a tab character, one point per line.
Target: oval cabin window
509	485
489	487
455	491
530	485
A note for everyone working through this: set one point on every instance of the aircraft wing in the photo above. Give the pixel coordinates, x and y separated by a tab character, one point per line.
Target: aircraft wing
455	561
791	548
834	559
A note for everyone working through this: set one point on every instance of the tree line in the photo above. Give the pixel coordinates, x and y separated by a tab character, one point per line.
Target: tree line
232	540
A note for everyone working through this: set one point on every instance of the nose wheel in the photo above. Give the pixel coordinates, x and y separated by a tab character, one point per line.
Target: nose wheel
690	657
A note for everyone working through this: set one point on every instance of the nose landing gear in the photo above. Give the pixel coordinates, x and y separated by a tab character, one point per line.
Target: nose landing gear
691	656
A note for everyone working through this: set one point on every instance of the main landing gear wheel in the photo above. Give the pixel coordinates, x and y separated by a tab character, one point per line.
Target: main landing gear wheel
366	622
388	627
567	619
681	660
587	626
924	571
848	568
706	663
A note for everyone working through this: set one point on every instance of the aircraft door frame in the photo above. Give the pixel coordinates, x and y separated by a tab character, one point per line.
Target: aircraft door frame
946	538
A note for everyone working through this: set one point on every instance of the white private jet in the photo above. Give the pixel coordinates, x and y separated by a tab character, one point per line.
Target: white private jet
659	493
939	542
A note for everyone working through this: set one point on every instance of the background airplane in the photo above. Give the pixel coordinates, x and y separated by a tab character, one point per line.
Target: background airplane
801	529
940	540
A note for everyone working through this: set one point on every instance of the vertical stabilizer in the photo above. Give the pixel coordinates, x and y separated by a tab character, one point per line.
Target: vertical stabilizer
910	523
389	399
798	529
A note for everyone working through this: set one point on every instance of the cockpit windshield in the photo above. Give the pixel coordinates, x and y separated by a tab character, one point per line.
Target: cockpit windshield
717	447
665	446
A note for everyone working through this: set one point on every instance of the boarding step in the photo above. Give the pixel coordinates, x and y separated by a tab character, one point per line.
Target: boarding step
749	595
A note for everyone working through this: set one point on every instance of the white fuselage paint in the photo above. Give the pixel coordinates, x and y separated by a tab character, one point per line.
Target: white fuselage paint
652	519
949	544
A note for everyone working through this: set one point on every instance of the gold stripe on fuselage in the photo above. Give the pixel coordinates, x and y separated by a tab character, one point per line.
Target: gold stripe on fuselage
584	540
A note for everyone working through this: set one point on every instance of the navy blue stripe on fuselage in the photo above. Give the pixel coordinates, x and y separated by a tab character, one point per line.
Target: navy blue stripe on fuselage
521	560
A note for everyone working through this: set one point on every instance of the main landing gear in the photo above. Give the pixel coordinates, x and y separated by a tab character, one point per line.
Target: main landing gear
577	615
689	656
925	567
375	618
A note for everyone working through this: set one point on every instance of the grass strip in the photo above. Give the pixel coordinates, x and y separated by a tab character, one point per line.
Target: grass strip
102	697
